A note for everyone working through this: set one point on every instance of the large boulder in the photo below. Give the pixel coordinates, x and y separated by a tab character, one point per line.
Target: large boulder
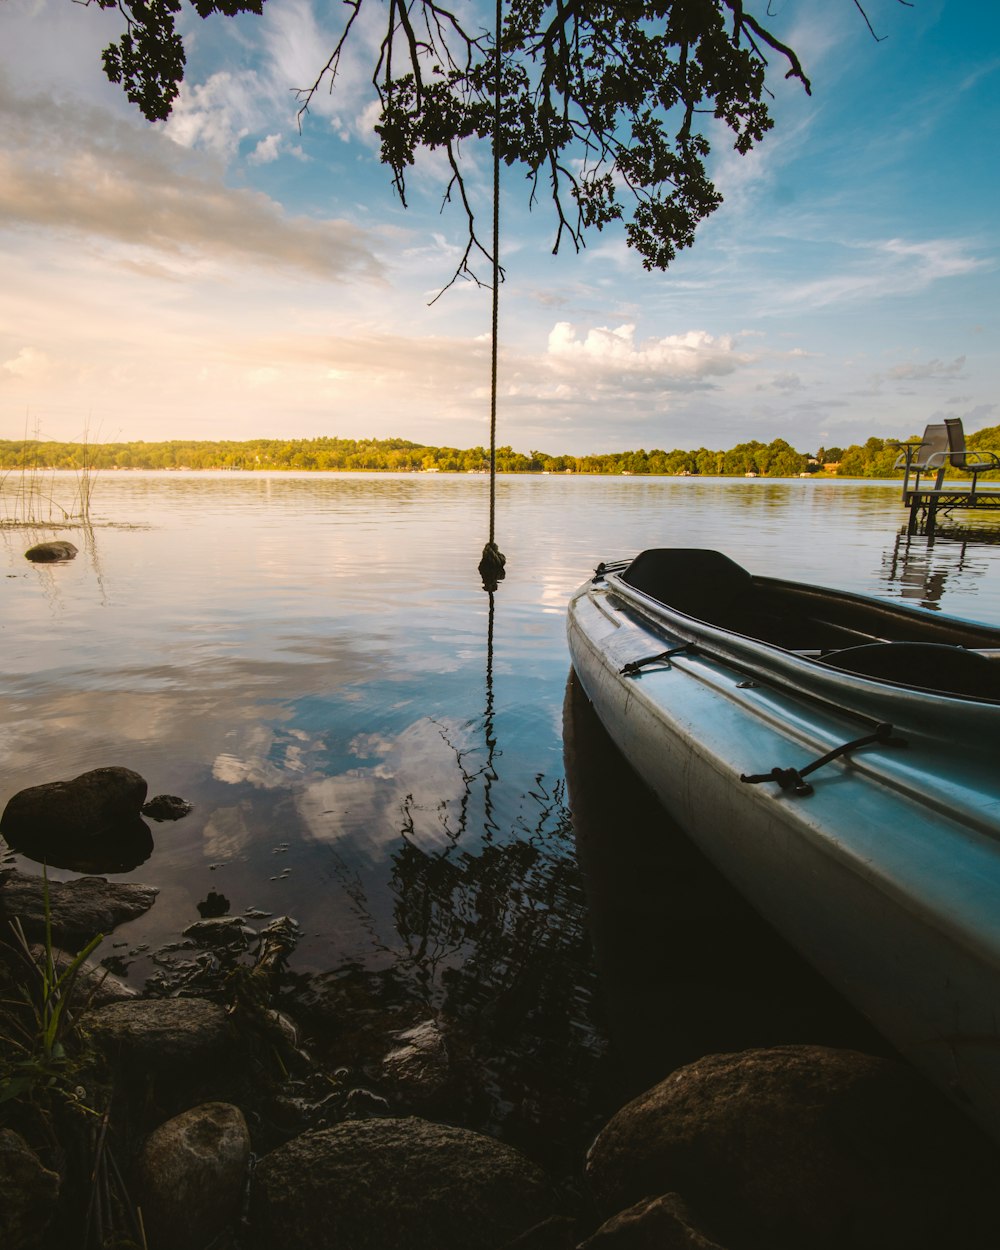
169	1053
28	1193
90	823
400	1183
165	1036
802	1146
191	1176
79	909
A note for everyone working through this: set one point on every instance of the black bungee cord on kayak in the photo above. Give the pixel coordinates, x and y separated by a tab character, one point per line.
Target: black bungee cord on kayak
793	779
491	565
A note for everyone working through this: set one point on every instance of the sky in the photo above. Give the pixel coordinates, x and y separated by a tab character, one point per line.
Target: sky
228	274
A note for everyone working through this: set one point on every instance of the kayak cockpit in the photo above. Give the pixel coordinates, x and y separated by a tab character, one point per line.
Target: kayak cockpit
877	639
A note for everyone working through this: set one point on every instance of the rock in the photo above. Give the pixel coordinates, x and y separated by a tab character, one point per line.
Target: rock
160	1036
400	1183
558	1232
661	1223
213	906
92	805
192	1171
93	986
167	807
80	909
418	1070
28	1193
364	1104
90	824
802	1146
230	932
122	849
50	552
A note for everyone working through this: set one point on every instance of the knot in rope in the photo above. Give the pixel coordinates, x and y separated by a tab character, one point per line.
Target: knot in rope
491	566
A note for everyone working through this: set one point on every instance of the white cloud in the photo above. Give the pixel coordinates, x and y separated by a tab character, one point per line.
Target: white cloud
886	268
416	789
28	364
216	114
266	151
674	358
920	370
77	171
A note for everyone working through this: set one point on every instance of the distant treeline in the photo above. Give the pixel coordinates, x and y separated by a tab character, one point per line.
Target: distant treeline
874	458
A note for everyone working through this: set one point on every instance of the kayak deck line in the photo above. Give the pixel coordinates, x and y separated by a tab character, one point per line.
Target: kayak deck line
794	778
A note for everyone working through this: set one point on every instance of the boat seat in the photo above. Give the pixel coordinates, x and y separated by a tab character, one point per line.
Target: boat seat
697	581
935	666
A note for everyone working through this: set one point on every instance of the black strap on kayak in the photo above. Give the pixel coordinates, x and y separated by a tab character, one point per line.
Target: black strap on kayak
664	657
793	778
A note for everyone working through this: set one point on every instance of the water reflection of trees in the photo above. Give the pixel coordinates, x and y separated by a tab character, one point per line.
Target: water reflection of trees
490	938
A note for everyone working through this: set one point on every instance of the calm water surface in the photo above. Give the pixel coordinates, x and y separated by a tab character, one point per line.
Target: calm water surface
373	745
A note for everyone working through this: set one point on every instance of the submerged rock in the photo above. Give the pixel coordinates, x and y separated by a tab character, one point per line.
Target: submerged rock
191	1175
213	905
79	909
418	1069
231	932
167	807
51	552
401	1183
802	1146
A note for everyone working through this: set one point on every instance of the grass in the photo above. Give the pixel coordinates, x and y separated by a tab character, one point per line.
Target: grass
28	492
52	1094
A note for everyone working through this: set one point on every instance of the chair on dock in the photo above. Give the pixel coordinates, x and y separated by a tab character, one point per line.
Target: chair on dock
927	455
943	446
940	446
971	462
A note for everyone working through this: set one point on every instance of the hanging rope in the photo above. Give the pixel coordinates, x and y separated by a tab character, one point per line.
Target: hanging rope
491	566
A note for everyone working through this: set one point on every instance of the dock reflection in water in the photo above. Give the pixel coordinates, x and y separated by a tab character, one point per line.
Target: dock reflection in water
687	967
921	569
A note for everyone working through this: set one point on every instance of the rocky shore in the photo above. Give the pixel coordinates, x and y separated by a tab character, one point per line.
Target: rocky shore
203	1118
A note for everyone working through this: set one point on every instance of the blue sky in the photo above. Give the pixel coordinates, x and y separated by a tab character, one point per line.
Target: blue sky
225	276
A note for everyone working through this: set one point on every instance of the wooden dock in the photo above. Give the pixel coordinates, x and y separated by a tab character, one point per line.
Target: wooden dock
942	447
926	504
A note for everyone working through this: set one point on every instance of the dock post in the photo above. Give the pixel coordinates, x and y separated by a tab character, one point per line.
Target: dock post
931	517
911	525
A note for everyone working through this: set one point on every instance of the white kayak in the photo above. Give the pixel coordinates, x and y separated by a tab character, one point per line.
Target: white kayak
838	758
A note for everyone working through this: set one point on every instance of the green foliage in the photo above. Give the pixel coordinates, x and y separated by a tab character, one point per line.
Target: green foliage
875	458
595	102
39	1035
148	60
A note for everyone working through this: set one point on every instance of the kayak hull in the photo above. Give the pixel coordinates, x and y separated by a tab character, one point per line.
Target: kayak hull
883	869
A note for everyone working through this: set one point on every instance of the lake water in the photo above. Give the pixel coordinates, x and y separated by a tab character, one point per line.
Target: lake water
372	744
